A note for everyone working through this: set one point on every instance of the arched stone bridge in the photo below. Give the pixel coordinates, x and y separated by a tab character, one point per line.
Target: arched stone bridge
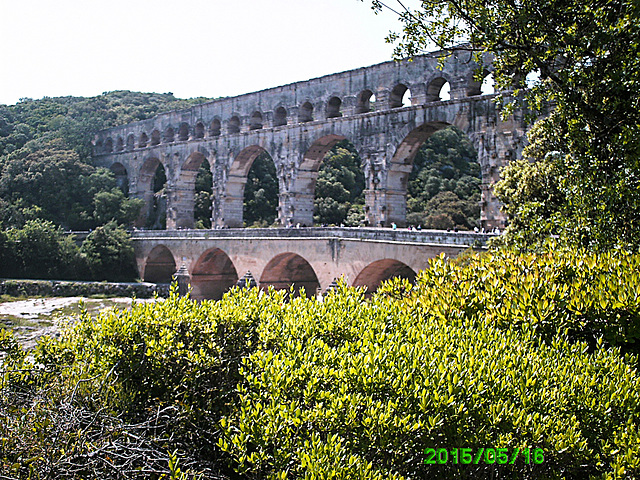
304	257
298	123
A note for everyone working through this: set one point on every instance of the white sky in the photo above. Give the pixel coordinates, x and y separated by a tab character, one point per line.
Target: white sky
208	48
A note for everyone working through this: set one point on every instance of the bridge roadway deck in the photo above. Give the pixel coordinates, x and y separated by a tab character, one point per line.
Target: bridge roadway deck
308	257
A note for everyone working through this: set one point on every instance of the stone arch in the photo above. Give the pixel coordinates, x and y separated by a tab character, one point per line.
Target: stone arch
146	177
400	169
288	269
213	274
169	135
159	266
130	142
122	177
364	101
255	122
280	117
182	212
215	128
333	108
144	139
119	144
377	272
155	138
183	132
233	125
305	114
475	80
399	96
236	180
108	145
305	184
199	132
437	90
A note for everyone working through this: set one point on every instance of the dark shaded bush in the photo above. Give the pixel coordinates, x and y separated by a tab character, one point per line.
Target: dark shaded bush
108	253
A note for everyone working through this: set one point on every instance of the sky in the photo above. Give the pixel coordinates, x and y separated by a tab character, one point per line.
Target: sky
192	48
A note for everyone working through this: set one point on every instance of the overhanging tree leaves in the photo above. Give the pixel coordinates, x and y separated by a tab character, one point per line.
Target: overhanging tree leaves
586	55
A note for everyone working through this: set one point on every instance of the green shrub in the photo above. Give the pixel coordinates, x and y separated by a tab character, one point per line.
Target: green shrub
489	352
114	396
41	250
108	253
586	295
349	389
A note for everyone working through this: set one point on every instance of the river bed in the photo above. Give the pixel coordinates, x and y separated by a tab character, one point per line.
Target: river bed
32	318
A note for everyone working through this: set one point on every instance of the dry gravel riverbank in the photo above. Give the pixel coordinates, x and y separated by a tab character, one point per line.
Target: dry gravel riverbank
32	318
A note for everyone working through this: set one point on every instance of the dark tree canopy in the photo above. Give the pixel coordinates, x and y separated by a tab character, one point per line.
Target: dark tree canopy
444	185
204	190
45	158
339	197
261	193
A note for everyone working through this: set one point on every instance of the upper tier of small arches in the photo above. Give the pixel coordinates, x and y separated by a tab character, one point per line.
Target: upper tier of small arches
243	114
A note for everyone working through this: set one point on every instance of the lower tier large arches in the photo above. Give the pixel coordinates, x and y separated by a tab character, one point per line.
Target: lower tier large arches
212	275
377	272
289	269
160	265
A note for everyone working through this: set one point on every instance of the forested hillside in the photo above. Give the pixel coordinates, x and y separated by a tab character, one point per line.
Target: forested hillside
45	158
48	184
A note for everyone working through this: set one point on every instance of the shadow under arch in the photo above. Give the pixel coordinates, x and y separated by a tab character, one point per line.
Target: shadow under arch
213	274
159	266
122	177
377	272
232	214
288	269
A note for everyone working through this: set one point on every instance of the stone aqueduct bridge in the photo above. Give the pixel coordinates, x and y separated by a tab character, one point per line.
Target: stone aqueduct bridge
306	257
298	123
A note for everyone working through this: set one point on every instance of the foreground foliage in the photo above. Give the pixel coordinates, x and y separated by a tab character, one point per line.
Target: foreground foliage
501	351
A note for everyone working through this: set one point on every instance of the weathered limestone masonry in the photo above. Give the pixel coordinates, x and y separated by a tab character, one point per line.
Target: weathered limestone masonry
304	257
298	123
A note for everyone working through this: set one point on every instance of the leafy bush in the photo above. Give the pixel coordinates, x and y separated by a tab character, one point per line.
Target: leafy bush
487	352
349	389
586	295
109	254
118	396
40	250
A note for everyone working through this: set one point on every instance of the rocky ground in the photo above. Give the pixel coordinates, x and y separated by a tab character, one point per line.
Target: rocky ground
32	318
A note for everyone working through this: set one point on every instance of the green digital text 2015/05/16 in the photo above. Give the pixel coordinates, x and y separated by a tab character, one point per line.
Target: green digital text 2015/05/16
467	456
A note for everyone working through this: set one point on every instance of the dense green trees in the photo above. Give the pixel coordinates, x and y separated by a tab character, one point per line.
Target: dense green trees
47	181
204	191
45	158
40	249
261	193
444	185
108	253
339	197
585	55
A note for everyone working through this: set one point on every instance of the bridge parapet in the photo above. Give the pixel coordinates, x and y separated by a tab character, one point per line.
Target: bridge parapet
440	237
